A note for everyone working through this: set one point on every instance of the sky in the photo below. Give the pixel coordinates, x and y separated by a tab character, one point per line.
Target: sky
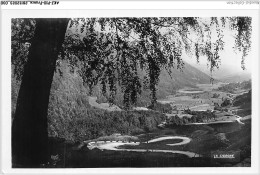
230	59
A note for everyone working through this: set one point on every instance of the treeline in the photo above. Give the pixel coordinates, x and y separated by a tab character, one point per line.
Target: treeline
231	87
197	117
71	117
91	123
164	108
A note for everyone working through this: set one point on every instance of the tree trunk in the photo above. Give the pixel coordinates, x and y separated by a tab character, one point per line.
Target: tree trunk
29	128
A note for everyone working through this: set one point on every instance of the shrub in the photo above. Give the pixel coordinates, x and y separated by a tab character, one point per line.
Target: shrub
226	102
164	108
215	95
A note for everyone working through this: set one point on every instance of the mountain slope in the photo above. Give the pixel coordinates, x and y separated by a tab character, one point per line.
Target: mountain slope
168	85
226	73
188	77
238	77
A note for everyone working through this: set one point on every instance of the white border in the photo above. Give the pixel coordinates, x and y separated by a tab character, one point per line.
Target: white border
142	4
6	87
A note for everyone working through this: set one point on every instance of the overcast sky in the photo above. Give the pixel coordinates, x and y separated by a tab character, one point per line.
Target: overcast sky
229	58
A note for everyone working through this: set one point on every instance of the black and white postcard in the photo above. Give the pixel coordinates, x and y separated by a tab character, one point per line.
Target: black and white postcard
131	89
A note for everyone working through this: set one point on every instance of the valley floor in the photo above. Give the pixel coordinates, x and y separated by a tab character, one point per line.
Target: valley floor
171	145
199	139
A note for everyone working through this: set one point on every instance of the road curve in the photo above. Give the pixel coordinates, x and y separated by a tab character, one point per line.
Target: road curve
113	145
185	140
239	120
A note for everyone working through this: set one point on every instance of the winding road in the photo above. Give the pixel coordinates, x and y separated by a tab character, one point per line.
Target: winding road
239	120
113	145
185	140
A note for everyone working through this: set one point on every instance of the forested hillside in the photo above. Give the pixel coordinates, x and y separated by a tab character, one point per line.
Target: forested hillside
70	115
